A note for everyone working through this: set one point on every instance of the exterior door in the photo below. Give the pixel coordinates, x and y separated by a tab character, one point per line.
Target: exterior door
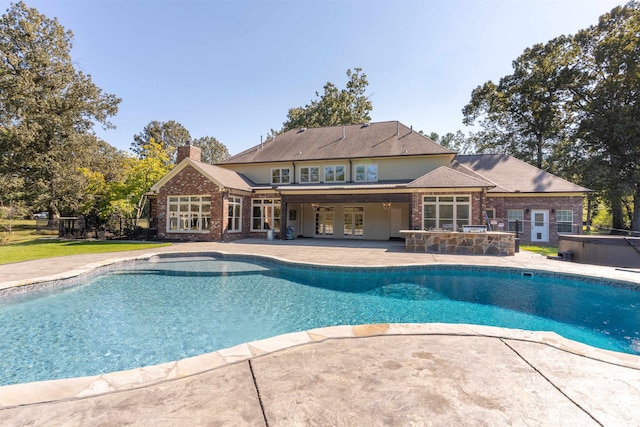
353	222
324	221
395	222
539	226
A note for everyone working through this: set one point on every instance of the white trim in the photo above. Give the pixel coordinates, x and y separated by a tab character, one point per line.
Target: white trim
239	230
280	175
439	222
179	219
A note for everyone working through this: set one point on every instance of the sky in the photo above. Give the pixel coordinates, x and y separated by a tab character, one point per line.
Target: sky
233	69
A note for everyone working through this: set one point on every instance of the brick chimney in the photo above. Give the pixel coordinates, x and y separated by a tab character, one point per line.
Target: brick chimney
188	151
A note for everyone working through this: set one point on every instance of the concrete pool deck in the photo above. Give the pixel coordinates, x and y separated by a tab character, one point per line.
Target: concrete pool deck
428	374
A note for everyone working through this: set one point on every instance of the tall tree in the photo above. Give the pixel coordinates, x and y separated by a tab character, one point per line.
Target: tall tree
213	151
610	118
335	107
524	114
453	141
47	107
170	135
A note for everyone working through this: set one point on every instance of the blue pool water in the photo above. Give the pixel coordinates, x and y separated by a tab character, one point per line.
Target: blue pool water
170	309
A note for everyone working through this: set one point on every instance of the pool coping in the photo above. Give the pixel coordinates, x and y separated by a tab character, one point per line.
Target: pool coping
83	387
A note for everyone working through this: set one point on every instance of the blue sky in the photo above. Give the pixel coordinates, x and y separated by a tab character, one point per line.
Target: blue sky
232	69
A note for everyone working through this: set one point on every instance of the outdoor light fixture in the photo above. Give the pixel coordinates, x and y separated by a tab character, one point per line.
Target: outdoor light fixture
386	206
314	206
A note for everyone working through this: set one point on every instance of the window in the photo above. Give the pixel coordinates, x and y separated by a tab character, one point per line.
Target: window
234	215
334	174
490	214
265	215
281	176
446	212
189	214
310	174
366	173
512	215
565	221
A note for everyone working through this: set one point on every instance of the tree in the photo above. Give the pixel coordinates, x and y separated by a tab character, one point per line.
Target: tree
609	121
213	151
457	142
525	114
170	135
335	107
47	107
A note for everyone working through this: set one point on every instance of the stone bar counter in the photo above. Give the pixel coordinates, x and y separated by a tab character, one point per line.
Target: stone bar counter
457	243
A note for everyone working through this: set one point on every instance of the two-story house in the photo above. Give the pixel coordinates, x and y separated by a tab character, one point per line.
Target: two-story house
359	182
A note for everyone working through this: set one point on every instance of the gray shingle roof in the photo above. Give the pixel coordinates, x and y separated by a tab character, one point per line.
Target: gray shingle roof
511	175
226	177
445	177
383	139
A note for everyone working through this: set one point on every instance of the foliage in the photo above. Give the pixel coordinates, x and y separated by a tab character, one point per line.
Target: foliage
124	194
524	114
571	107
609	126
213	151
457	142
170	135
48	108
335	107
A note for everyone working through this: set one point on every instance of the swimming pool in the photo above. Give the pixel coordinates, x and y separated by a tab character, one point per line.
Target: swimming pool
169	308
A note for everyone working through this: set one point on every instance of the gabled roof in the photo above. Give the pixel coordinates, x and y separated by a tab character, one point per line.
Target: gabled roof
511	175
383	139
224	178
445	177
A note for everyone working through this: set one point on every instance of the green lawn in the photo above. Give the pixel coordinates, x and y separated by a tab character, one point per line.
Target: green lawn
542	250
24	244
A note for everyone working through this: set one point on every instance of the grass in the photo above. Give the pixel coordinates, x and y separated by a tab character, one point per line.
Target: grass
24	244
542	250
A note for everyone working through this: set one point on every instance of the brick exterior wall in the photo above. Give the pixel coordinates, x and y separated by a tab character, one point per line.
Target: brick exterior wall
503	204
190	182
552	204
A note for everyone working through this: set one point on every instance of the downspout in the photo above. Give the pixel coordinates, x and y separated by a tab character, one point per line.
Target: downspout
293	181
350	171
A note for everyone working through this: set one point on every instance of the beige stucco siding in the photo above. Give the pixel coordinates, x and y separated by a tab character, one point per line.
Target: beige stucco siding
376	220
394	168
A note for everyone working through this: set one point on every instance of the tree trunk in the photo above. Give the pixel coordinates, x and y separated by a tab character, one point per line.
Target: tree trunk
635	221
616	212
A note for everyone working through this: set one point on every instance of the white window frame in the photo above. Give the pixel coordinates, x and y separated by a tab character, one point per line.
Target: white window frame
352	210
562	220
309	175
268	208
280	177
334	169
192	213
365	175
458	201
234	214
512	215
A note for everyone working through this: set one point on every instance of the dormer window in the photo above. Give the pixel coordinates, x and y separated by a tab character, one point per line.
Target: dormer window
310	174
367	173
334	174
280	176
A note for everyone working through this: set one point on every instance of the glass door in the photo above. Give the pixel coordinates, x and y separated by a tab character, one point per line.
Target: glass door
353	221
324	221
